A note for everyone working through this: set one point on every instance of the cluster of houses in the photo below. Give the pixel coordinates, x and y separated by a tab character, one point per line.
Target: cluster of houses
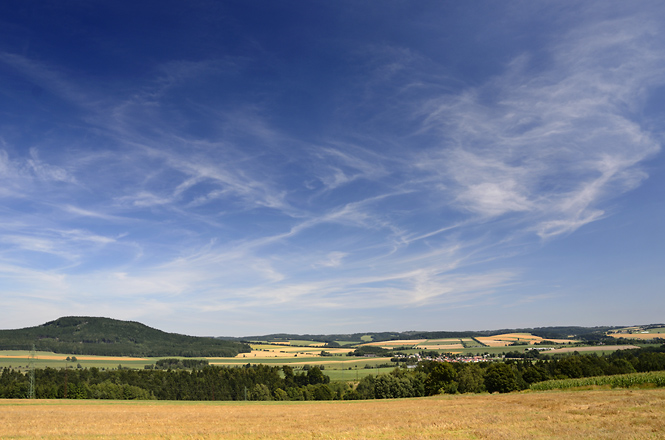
412	359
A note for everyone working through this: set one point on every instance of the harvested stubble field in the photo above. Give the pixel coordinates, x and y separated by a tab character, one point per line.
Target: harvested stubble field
594	414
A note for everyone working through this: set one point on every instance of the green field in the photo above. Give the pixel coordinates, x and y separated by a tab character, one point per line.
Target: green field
656	330
470	343
629	332
345	343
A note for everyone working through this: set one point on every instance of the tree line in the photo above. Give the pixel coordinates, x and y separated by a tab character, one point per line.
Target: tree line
257	382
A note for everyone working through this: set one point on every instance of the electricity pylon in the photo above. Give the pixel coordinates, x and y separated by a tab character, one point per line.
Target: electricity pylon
31	390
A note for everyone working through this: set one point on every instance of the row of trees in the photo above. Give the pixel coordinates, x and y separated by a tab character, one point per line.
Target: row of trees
370	350
178	364
259	382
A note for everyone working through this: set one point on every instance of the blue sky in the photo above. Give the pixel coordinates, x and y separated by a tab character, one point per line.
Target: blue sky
250	167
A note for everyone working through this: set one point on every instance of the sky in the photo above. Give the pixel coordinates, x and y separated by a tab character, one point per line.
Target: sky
236	168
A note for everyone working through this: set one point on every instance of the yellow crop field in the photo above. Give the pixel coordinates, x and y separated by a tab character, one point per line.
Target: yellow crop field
592	414
397	342
272	351
62	357
443	341
492	342
509	338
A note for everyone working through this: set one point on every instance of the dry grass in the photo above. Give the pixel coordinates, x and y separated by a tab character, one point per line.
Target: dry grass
599	414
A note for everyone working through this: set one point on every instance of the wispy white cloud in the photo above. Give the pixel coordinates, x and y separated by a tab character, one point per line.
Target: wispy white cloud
333	259
551	145
48	77
72	245
36	244
78	211
46	171
229	180
340	164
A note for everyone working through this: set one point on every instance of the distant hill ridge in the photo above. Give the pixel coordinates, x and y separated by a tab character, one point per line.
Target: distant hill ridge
111	337
562	332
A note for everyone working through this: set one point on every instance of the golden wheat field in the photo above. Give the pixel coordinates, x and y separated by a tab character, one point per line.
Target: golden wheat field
590	414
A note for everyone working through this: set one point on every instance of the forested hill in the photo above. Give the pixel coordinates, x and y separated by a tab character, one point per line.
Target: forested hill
112	337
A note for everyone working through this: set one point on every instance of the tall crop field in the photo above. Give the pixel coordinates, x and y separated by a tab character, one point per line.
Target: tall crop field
651	379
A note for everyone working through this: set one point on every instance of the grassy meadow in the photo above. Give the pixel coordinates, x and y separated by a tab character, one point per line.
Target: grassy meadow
573	415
